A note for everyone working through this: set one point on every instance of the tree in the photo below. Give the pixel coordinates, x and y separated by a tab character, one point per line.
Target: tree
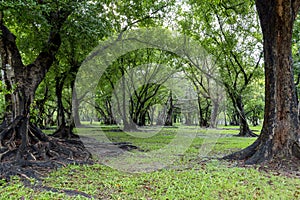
209	91
170	110
229	33
119	16
44	106
279	138
82	32
31	34
21	141
140	83
255	101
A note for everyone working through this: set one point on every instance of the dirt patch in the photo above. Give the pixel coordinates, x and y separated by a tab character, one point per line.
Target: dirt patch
102	150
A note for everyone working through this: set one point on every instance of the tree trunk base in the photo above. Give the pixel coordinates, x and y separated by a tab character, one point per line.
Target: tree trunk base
130	128
247	134
262	152
65	132
40	152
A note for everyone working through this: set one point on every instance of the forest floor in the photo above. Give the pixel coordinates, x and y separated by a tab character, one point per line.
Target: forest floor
132	166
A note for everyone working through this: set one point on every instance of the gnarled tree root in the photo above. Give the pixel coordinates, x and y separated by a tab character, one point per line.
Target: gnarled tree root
247	134
40	152
262	153
64	132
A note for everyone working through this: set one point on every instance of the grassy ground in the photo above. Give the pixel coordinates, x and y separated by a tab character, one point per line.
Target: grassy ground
195	174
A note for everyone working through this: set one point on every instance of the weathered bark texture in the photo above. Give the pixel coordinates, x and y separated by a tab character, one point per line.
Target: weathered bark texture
21	142
279	137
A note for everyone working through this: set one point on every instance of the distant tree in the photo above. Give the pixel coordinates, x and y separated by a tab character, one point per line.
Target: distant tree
255	101
209	91
229	31
141	75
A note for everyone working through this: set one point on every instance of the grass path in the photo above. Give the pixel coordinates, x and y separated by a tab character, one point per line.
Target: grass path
189	176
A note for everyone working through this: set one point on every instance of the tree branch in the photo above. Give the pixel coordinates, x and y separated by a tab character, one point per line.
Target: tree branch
295	8
9	51
144	18
47	56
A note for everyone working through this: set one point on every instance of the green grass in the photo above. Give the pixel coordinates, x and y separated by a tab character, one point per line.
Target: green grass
187	178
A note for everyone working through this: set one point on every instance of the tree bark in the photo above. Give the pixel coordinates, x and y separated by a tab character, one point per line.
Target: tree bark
188	119
169	117
39	120
59	82
279	138
203	121
64	129
245	131
22	143
75	108
75	102
161	117
239	109
214	113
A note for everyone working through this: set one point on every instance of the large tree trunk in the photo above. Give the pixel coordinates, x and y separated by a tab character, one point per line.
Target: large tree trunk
110	120
22	143
161	117
142	118
129	125
40	106
188	119
8	118
75	99
279	139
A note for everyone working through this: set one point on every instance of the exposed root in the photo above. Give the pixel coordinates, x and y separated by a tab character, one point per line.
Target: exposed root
243	154
64	132
247	134
261	152
127	146
38	186
41	152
